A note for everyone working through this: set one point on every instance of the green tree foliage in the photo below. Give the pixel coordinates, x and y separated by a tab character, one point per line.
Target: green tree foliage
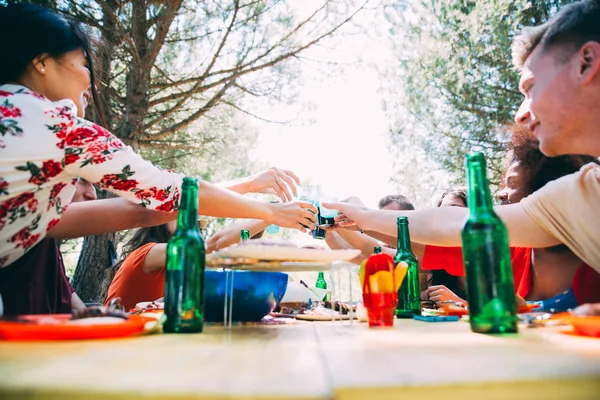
455	60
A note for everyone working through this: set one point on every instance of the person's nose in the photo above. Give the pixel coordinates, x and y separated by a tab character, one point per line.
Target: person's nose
523	115
502	196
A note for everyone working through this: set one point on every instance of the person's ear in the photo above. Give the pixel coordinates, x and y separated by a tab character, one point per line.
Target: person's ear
39	63
589	62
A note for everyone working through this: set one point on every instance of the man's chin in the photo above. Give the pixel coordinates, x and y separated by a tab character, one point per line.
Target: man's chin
548	148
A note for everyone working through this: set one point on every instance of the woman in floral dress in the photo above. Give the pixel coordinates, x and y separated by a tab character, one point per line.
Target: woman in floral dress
46	81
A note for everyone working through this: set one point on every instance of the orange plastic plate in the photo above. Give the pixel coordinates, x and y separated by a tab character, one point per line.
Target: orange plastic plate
57	327
586	326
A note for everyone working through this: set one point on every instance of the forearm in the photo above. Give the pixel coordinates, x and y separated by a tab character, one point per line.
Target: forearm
391	241
104	216
76	303
359	241
231	234
523	231
241	186
437	226
215	201
335	242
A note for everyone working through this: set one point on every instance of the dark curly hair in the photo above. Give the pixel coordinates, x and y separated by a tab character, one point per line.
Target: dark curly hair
537	168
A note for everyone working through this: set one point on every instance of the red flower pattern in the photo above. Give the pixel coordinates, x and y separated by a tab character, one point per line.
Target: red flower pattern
167	206
52	224
5	94
51	168
10	112
24	238
3	186
71	159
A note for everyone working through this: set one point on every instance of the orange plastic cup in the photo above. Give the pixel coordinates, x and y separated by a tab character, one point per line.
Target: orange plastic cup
379	317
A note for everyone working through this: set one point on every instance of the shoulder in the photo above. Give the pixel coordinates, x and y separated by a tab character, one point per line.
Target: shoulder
137	256
19	96
573	187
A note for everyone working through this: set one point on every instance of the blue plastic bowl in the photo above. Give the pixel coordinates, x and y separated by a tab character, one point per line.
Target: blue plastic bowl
255	294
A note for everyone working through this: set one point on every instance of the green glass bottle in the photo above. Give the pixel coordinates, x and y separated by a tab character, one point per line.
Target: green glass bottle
244	235
490	285
184	288
409	295
321	283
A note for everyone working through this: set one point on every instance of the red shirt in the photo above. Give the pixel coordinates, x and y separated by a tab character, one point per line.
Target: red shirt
586	283
132	284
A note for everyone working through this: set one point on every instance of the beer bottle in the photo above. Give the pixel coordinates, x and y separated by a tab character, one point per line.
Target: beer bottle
409	295
184	288
244	235
321	283
490	286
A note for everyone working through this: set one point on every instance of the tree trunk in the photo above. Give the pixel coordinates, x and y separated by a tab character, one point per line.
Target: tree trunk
97	255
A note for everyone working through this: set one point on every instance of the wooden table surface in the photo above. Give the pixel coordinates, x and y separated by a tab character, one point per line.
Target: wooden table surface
308	360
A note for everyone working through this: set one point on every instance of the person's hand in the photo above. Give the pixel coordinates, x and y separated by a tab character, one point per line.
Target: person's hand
587	310
280	182
521	302
350	214
297	214
440	293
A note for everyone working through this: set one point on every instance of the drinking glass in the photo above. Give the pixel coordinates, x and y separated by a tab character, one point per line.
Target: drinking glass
311	195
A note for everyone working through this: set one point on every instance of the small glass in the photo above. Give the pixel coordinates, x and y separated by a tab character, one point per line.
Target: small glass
327	215
311	195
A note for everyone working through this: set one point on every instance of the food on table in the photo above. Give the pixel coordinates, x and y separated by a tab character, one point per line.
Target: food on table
316	308
97	312
268	242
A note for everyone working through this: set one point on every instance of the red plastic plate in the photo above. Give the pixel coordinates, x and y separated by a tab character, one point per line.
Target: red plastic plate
58	327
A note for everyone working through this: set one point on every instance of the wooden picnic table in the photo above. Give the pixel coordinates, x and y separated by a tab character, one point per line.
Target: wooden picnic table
308	360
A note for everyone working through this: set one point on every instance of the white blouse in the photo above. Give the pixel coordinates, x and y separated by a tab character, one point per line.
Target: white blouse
44	148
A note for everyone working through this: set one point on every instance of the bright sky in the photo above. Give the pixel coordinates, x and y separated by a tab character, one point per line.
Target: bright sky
343	145
339	135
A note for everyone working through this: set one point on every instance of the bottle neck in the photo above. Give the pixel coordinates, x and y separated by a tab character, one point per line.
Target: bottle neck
480	198
188	208
403	237
321	276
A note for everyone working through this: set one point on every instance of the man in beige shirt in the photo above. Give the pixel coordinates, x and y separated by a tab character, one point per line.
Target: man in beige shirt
560	80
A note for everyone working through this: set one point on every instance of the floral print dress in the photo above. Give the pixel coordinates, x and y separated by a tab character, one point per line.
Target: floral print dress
44	149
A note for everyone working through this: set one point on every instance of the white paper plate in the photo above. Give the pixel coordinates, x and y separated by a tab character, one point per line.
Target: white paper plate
283	266
282	253
306	317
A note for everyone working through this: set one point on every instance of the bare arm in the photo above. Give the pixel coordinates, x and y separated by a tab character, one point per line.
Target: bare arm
231	234
102	216
218	202
442	226
359	241
417	248
335	242
76	303
391	241
272	181
155	258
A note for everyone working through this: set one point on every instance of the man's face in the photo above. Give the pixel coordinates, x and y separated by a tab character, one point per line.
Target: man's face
549	109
